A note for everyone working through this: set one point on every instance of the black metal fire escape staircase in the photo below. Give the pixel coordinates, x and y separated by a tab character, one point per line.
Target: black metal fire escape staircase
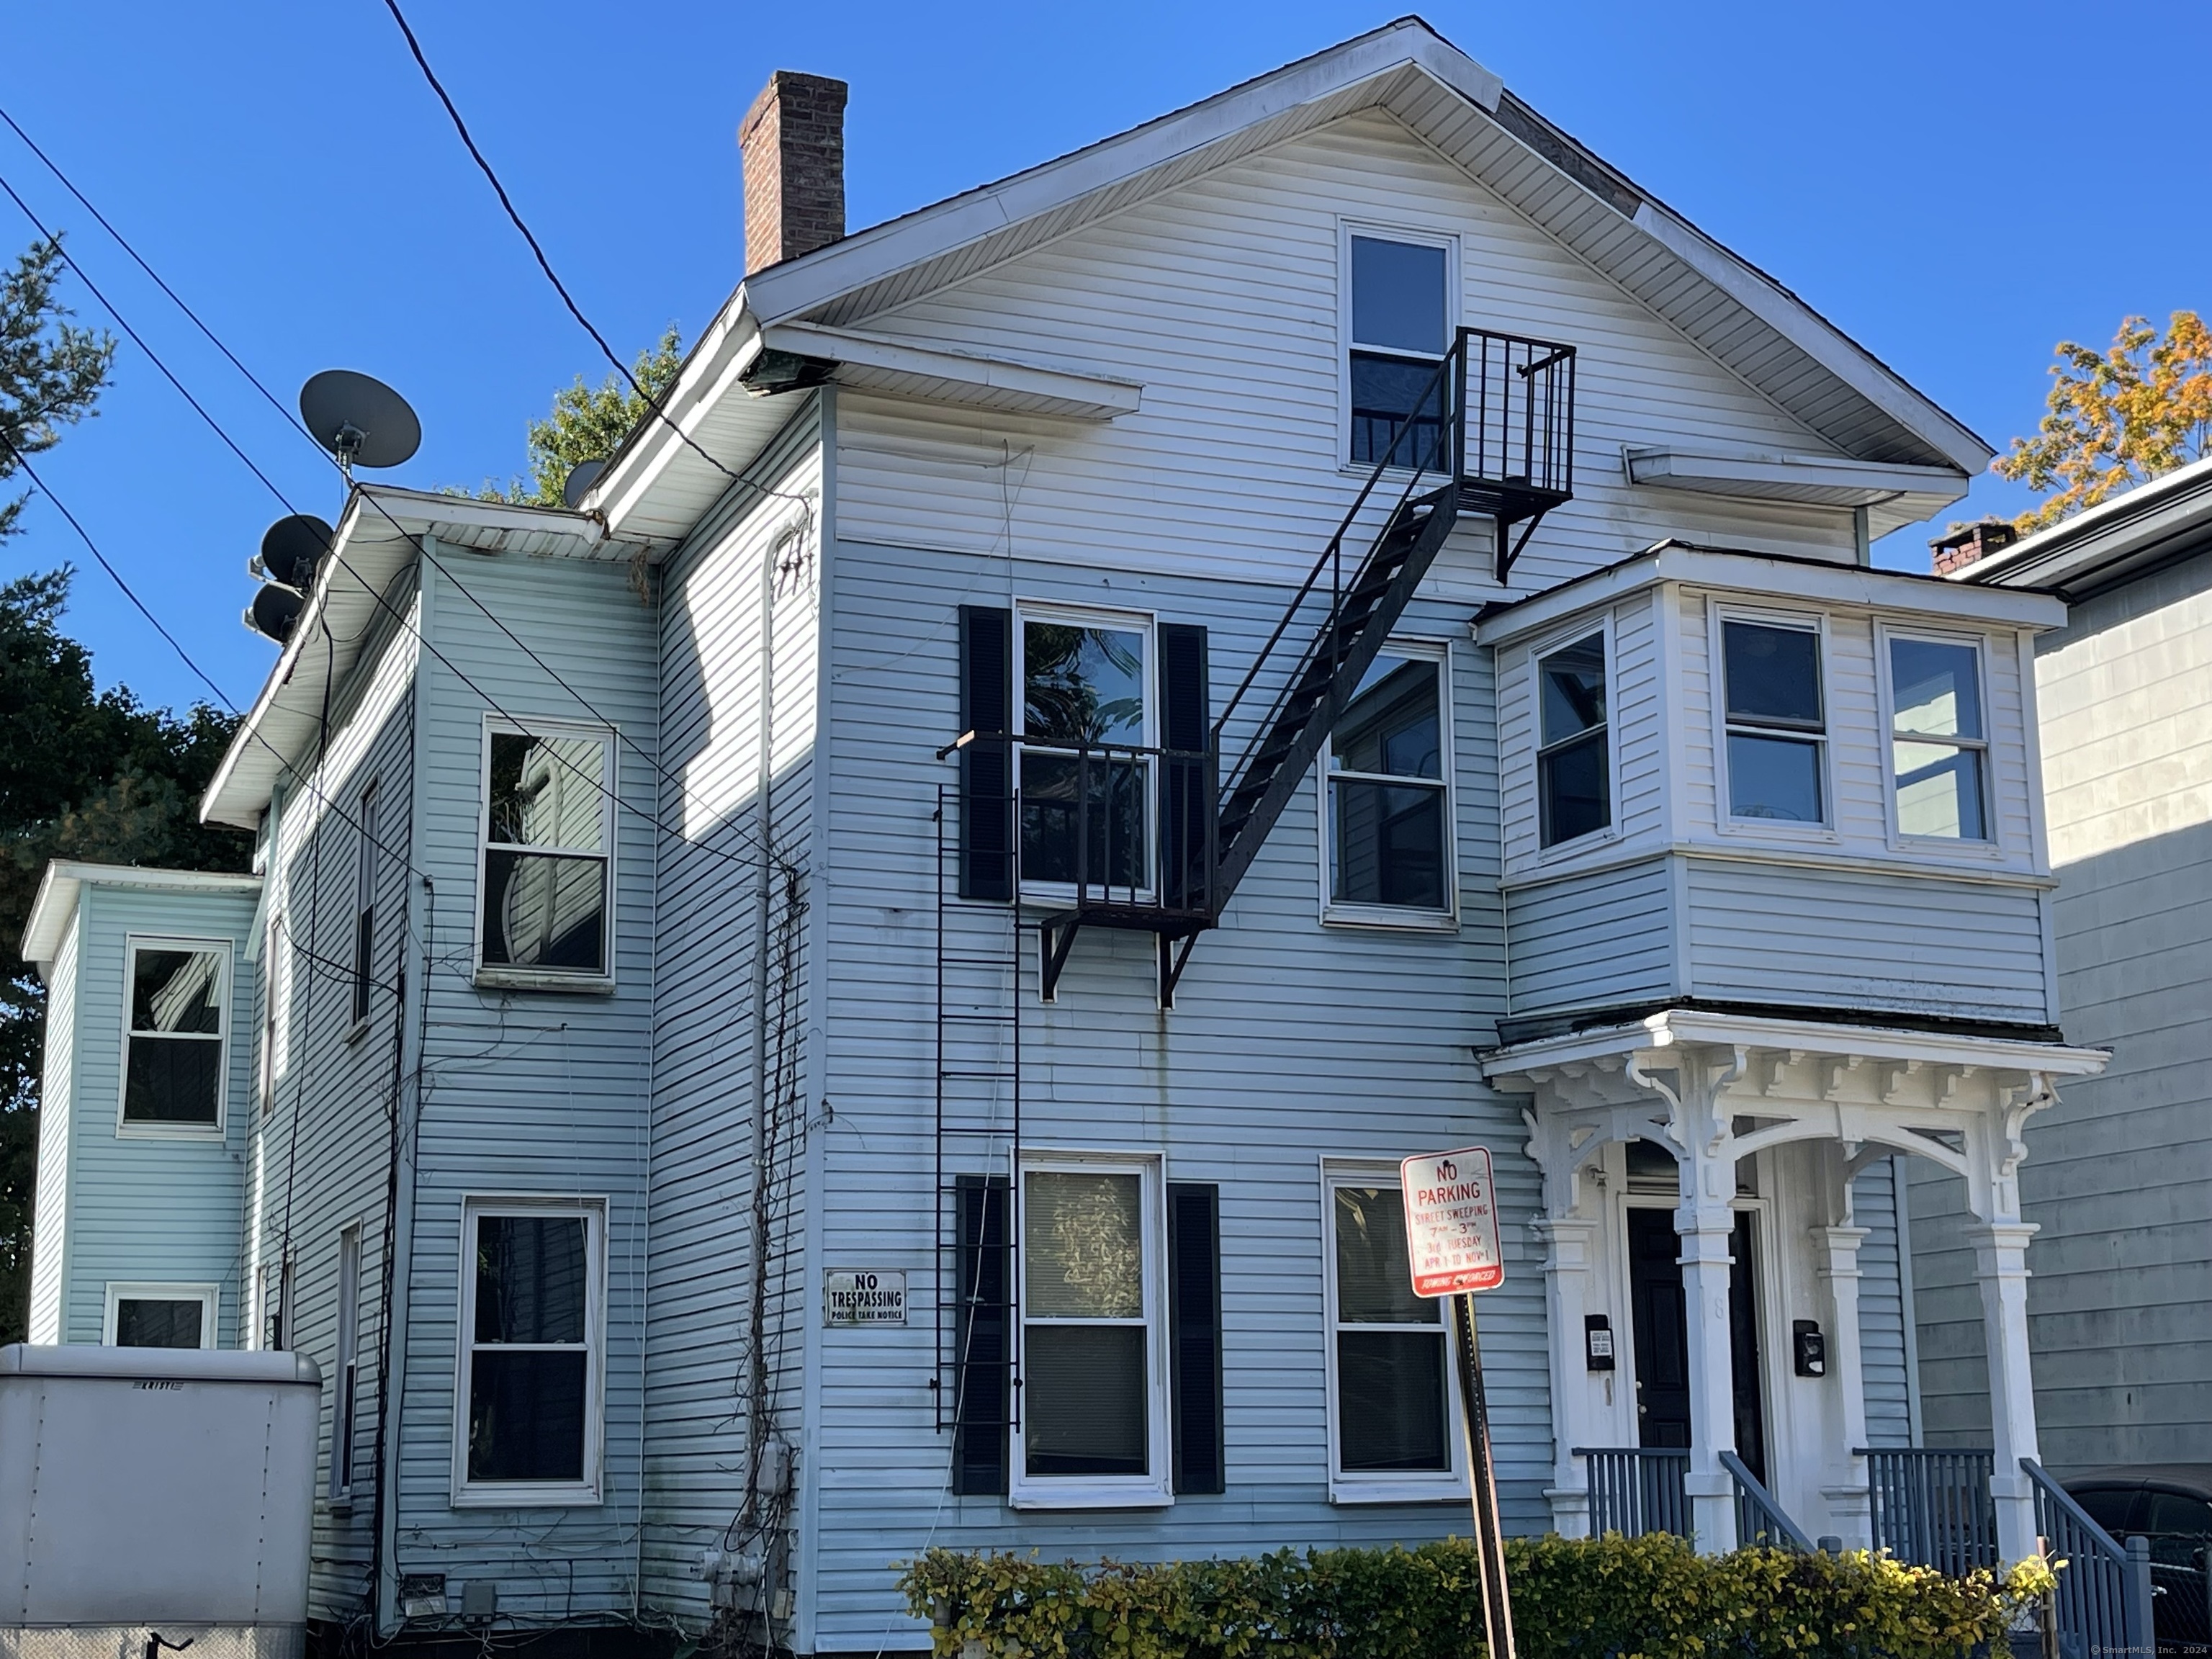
1491	436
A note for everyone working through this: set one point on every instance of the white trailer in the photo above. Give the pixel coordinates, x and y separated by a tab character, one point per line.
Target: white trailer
148	1491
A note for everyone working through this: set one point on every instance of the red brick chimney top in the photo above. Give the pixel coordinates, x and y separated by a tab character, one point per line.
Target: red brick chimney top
792	142
1974	542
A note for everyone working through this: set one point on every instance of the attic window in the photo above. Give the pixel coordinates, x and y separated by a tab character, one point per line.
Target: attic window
1400	325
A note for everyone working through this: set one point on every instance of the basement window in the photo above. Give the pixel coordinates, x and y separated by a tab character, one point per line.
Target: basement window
1776	725
1389	797
1093	1428
549	832
172	1081
532	1315
1398	323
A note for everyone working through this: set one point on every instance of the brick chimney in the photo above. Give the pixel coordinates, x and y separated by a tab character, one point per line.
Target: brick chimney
792	139
1976	541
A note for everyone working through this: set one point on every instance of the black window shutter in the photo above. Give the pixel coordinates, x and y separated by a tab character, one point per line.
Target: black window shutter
982	1335
987	761
1195	1334
1186	800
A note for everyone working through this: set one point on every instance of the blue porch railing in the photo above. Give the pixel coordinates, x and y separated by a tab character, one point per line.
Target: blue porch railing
1758	1518
2103	1601
1635	1490
1932	1508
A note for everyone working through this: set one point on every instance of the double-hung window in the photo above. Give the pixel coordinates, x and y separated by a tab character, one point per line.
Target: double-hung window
1390	805
1574	763
549	832
345	1369
532	1314
1093	1408
1086	779
160	1315
172	1081
1939	749
364	903
1389	1363
1399	327
1776	723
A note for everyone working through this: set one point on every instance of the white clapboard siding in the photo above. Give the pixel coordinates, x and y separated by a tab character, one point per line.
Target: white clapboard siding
710	664
1593	941
1845	939
2119	1175
57	1096
1222	299
1289	1042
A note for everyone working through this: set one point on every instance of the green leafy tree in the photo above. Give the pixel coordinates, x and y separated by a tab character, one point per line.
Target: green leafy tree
589	423
2117	418
83	774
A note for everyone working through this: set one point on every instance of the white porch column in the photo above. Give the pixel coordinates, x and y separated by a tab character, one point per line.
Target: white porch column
1843	1482
1568	1260
2001	1266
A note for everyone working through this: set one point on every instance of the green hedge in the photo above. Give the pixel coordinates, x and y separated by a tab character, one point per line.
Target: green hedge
1608	1598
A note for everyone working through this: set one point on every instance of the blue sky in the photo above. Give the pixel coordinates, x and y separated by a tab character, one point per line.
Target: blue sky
1958	185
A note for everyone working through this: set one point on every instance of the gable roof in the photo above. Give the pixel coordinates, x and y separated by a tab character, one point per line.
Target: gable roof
1738	314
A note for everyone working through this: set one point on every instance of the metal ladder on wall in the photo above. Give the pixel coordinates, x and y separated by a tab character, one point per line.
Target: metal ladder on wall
979	1137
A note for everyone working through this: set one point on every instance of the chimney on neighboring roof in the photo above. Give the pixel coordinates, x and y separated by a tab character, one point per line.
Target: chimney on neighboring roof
1977	541
792	139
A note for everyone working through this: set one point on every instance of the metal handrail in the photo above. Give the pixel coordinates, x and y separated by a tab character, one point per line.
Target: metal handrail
2104	1587
1636	1490
1757	1515
1932	1505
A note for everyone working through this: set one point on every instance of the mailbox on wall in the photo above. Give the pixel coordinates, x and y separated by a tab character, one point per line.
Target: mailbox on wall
1811	1347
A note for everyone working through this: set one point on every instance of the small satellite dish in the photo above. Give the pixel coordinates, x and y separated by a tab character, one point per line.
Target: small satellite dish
359	419
581	478
291	548
276	611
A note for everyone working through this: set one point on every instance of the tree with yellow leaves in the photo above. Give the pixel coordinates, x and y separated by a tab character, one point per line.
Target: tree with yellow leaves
2117	418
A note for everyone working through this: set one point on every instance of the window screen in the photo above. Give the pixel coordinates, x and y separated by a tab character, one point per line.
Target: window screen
1087	1397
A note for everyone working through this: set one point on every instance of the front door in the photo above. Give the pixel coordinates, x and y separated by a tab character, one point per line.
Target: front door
1659	1318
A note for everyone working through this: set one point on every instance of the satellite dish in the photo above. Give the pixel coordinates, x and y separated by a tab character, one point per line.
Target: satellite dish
276	611
292	547
359	419
581	478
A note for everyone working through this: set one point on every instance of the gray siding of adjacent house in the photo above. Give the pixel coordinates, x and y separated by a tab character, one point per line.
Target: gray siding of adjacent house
2120	1173
697	1398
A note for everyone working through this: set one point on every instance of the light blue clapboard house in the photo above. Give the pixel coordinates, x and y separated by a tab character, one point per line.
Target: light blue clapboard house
864	986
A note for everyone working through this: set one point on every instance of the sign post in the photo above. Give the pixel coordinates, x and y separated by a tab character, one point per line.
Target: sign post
1452	1247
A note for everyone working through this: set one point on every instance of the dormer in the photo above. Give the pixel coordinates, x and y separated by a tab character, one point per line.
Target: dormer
1739	779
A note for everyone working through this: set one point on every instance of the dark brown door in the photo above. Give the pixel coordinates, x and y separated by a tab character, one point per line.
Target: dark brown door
1660	1317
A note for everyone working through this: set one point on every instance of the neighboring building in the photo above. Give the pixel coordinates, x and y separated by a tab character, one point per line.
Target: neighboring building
2120	1184
867	987
143	1125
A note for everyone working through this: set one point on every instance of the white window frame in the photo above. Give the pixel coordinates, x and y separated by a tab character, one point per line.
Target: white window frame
209	1296
535	1494
1073	615
345	1366
264	1074
1091	1491
506	975
1418	236
1804	621
1445	1485
361	988
1398	917
125	1128
1991	845
1556	640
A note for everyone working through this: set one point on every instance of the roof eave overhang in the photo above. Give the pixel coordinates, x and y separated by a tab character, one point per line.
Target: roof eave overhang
66	879
1893	495
2115	541
1767	576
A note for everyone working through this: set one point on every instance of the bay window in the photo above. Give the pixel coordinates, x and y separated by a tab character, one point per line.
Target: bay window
1775	723
1093	1410
1938	746
1574	763
548	840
